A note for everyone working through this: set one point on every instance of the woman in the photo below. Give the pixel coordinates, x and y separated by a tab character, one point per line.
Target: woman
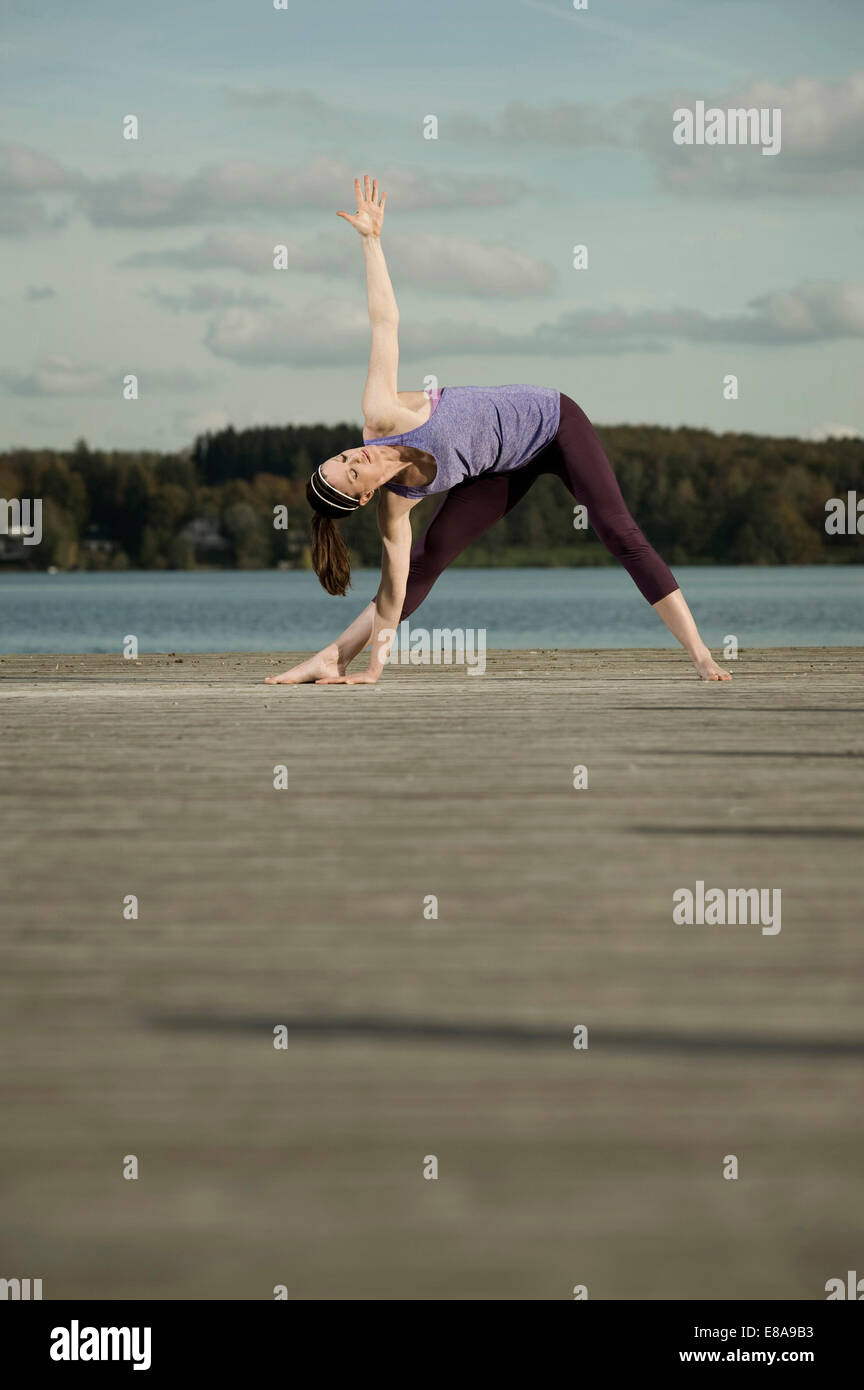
483	448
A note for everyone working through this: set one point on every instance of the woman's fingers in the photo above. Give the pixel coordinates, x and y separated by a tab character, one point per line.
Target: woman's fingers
367	192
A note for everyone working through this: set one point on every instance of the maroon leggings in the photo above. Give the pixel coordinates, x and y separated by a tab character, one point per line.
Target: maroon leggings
575	456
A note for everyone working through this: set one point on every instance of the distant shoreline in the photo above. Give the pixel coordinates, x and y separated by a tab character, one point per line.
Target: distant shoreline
842	560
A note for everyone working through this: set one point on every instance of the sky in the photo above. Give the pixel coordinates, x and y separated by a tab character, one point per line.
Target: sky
154	256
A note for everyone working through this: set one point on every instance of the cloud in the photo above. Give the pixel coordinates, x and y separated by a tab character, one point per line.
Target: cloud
817	311
822	150
328	332
59	375
820	433
37	292
461	266
206	299
251	252
169	379
332	332
24	170
444	264
24	216
217	192
25	176
299	101
232	187
574	125
201	422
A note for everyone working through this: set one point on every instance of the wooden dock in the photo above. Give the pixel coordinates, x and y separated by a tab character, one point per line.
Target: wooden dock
410	1036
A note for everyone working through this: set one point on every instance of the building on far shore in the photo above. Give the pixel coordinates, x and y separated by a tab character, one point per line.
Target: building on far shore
96	541
206	539
12	547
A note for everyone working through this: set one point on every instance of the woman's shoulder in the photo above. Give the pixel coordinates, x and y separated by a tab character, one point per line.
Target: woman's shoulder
410	409
417	401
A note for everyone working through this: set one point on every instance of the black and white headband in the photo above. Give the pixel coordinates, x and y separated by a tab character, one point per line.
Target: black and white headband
331	495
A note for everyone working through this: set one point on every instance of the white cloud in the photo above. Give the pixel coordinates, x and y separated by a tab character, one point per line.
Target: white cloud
459	265
821	147
60	375
816	310
820	433
201	422
251	252
326	332
218	191
445	264
333	332
229	188
207	299
821	122
26	176
25	170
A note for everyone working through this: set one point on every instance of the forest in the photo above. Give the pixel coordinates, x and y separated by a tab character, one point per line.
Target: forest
700	497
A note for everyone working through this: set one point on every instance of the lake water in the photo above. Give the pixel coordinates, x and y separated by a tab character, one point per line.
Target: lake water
281	610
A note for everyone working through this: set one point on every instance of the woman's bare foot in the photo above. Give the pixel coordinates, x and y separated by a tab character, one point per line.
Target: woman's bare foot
707	668
324	664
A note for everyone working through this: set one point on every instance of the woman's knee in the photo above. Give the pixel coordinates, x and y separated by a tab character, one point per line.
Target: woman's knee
623	538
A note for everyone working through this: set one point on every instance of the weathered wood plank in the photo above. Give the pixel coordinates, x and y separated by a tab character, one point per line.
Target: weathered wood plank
409	1037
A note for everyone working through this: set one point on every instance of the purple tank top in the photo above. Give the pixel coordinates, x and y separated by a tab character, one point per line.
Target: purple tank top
480	429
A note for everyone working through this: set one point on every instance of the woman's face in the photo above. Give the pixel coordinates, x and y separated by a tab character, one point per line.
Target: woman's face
354	472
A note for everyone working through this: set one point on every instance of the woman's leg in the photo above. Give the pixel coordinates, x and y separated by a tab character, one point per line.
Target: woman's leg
466	513
577	457
676	615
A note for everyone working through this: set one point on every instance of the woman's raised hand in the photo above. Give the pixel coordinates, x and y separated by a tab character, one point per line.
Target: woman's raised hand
369	217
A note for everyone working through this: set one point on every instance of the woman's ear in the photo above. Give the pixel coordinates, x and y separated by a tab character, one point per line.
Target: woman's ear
367	497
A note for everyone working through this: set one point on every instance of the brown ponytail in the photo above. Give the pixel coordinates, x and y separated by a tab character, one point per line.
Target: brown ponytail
331	560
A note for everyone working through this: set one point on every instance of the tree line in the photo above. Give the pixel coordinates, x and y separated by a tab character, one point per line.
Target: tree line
700	497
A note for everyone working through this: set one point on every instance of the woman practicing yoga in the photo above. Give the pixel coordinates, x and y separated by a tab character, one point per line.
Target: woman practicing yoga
482	447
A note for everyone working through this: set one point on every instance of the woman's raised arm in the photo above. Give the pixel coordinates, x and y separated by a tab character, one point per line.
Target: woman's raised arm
380	399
